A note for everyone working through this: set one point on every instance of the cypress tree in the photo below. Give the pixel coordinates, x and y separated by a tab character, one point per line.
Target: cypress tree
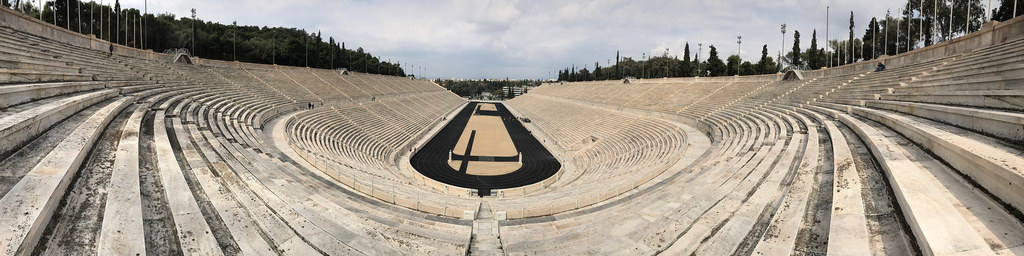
796	49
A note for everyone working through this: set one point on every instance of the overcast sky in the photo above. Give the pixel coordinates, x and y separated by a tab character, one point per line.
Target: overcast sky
529	39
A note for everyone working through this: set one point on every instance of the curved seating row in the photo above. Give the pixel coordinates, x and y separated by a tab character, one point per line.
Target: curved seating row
133	156
145	157
904	151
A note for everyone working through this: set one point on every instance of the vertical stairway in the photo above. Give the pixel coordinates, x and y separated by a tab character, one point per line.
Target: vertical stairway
485	239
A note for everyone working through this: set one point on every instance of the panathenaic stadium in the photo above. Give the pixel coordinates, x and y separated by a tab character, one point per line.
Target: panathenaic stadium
134	154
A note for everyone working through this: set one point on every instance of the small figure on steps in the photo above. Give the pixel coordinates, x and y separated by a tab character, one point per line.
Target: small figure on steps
880	68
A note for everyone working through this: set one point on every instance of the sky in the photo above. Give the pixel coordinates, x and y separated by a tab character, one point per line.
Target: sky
474	39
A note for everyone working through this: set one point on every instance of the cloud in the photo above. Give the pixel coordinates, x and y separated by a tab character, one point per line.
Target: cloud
528	39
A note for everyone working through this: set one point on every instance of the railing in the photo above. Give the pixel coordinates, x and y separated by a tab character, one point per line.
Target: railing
177	51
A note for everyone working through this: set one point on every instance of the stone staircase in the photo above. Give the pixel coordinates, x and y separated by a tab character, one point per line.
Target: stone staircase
486	239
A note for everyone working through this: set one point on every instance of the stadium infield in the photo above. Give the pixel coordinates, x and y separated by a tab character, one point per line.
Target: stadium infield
488	172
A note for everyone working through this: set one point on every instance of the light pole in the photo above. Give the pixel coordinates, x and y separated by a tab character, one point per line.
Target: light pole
783	46
145	22
850	45
920	25
739	48
700	47
935	21
967	22
910	23
193	31
108	25
666	66
829	58
951	5
101	22
307	54
234	38
273	47
135	31
898	10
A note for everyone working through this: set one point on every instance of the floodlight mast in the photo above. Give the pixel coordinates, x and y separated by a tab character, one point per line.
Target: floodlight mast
739	47
783	46
193	31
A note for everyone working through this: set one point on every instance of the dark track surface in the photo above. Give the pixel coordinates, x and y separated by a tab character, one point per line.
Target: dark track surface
432	159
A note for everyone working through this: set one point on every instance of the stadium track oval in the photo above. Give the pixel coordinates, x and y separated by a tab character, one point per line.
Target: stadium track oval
432	159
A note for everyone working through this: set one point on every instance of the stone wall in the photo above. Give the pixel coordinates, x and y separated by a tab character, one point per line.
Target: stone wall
992	33
17	21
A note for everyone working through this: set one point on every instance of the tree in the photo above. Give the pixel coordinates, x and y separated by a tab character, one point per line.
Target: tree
851	58
5	3
814	59
795	60
715	65
766	65
733	64
747	69
1005	10
27	8
873	39
687	69
927	12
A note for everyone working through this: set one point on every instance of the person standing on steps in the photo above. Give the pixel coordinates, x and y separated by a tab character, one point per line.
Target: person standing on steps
111	50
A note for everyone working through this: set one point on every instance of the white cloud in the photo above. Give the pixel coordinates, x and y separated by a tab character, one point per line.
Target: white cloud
527	39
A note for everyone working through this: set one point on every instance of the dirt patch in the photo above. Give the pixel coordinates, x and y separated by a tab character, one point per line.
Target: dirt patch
886	225
161	235
217	226
492	138
17	164
812	239
75	226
